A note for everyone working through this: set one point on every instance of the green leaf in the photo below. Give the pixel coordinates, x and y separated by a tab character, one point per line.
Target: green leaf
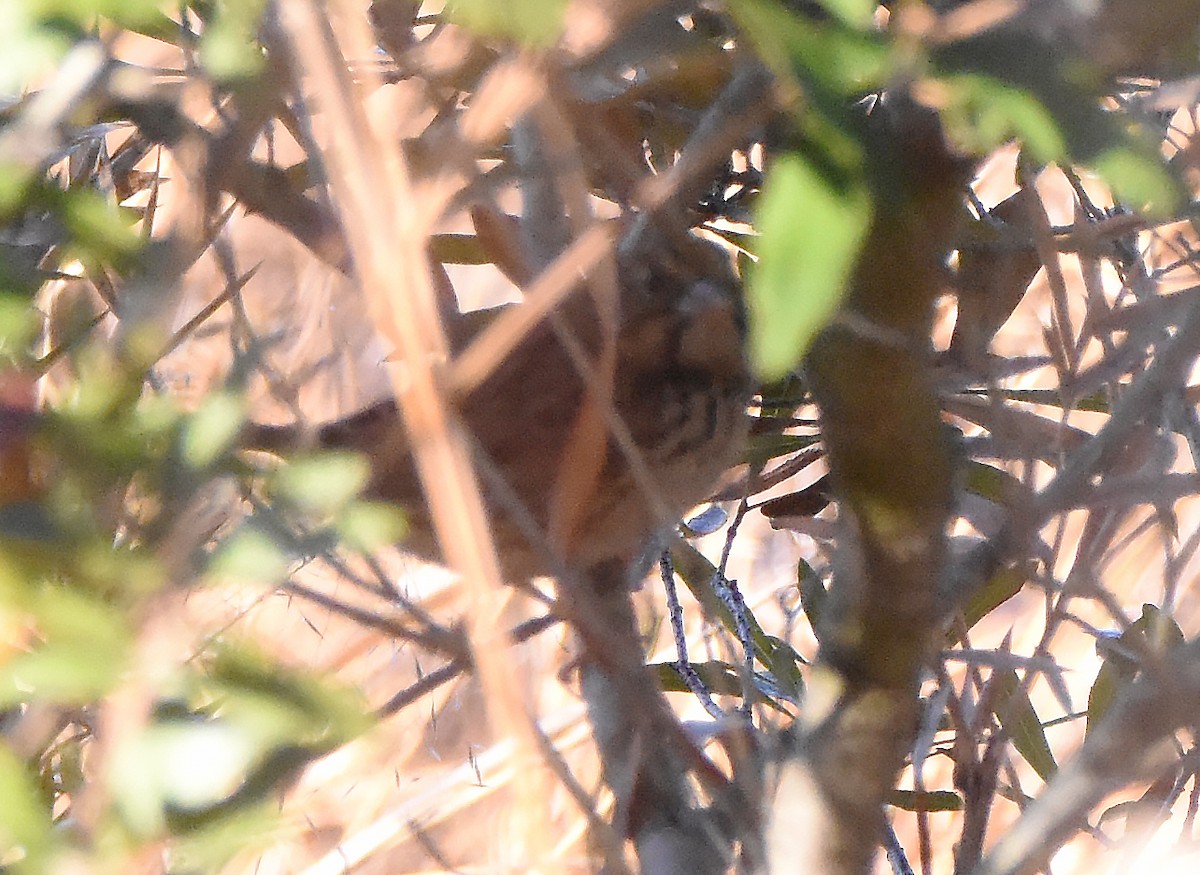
127	13
324	482
783	662
1016	714
25	831
458	249
218	750
1114	675
1002	586
532	22
1139	178
836	58
228	46
28	53
1004	83
207	844
212	429
1155	631
859	13
181	763
981	113
988	481
371	525
1097	402
284	707
100	228
1006	77
18	327
718	677
811	229
251	554
83	649
764	447
697	574
813	594
119	575
930	800
1162	632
